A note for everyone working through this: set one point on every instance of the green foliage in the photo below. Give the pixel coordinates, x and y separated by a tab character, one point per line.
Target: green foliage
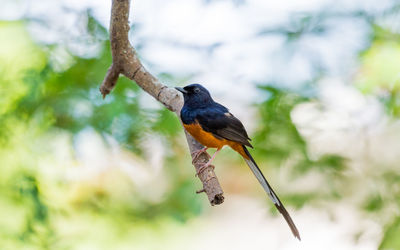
277	131
380	69
42	103
166	123
391	240
278	139
374	203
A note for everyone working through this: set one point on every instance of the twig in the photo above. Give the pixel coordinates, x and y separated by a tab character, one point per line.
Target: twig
126	62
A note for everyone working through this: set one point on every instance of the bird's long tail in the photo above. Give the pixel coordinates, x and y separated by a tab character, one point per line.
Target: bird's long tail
264	183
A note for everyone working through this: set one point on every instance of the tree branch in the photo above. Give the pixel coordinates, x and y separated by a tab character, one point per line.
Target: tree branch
126	62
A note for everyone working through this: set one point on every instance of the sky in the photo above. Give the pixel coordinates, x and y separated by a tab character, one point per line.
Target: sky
221	44
205	41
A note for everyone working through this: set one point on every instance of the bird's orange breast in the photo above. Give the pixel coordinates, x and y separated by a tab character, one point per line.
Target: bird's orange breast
205	138
209	140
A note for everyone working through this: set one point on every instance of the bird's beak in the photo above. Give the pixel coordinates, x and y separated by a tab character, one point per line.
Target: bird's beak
181	90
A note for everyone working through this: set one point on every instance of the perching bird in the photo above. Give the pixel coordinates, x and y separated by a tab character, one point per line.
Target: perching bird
214	126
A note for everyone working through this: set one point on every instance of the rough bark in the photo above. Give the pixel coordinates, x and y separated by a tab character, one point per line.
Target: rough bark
126	62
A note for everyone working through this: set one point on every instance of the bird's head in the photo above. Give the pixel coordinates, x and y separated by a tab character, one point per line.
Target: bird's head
195	95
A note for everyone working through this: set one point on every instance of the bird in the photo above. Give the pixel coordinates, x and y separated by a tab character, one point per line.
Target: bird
211	124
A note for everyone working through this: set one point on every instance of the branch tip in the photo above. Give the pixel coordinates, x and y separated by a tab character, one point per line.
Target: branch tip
200	191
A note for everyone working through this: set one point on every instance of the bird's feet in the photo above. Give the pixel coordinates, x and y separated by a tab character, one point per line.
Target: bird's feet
197	153
202	168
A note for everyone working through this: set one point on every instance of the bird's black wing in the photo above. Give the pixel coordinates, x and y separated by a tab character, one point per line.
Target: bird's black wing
222	124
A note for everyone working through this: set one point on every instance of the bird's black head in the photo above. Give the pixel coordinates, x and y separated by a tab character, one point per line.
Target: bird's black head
195	95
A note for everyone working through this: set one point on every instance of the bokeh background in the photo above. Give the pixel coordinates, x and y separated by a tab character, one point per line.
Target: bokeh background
316	83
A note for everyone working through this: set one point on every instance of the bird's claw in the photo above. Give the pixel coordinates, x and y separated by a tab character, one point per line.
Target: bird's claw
202	168
197	153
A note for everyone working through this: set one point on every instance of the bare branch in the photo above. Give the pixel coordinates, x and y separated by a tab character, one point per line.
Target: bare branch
126	62
110	80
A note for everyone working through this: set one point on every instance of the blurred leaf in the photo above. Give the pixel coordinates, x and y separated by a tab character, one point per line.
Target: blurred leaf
374	203
299	200
391	239
167	123
333	163
380	73
277	138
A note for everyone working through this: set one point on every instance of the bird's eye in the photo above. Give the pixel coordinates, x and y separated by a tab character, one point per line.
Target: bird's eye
196	90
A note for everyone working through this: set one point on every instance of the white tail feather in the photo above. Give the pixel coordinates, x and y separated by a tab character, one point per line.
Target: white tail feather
256	171
264	183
